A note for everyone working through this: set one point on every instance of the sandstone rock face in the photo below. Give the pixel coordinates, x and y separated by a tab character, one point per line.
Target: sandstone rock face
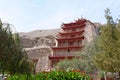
38	41
39	38
27	42
41	53
37	44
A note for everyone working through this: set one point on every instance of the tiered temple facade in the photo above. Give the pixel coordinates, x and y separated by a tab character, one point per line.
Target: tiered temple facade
72	39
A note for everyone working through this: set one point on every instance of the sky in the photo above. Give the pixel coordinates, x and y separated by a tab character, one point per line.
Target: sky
29	15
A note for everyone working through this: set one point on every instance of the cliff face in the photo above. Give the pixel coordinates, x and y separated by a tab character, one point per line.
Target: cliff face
29	42
37	44
39	38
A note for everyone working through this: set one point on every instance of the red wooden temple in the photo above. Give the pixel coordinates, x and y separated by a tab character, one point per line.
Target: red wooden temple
69	41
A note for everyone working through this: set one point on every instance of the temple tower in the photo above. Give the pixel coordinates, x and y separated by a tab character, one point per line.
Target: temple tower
71	39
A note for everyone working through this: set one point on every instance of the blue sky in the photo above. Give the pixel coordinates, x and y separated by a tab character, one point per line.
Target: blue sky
28	15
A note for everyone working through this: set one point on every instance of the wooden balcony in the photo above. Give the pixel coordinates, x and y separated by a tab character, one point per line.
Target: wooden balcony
62	57
73	26
67	47
70	38
73	33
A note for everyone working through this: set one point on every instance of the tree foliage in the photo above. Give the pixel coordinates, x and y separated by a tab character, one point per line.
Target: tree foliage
108	59
85	62
12	55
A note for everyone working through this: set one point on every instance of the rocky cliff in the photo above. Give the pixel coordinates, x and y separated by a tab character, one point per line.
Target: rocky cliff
37	44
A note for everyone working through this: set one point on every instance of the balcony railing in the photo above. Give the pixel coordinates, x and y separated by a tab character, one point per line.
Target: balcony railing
62	57
69	38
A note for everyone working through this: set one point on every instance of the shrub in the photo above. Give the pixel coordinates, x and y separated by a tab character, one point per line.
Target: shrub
53	75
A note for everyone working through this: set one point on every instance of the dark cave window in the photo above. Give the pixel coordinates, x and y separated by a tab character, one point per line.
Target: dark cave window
68	50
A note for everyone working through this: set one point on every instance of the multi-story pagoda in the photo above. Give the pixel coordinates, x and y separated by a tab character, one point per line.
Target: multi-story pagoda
70	40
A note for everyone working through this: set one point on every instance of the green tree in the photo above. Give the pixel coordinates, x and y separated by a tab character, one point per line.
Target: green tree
5	38
85	62
108	58
12	55
87	54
